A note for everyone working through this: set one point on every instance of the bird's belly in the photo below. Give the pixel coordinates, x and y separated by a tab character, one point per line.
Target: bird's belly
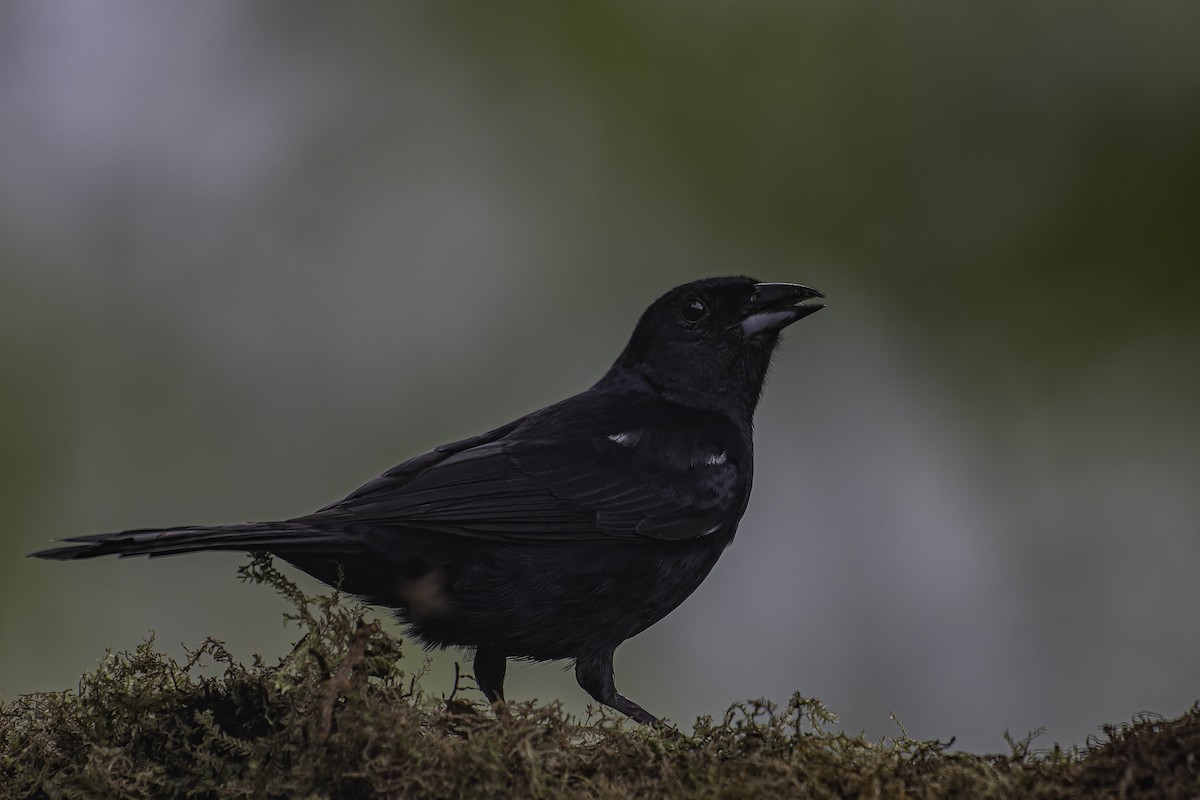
548	602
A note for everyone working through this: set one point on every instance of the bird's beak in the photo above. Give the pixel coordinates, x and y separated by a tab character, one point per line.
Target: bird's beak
774	306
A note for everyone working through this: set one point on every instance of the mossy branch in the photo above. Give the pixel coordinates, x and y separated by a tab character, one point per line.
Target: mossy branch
338	718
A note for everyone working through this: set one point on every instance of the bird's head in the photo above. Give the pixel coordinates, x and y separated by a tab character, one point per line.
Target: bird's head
708	344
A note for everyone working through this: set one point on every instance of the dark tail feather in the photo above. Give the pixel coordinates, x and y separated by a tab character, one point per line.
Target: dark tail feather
284	538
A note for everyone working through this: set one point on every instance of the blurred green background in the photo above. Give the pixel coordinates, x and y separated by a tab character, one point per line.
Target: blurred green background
253	254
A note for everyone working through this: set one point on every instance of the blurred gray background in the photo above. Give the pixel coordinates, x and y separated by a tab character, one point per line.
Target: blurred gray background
253	254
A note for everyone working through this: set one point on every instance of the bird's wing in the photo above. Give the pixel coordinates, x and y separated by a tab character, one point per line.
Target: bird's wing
657	484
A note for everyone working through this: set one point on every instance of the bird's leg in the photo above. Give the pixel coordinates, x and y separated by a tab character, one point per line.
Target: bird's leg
595	675
489	674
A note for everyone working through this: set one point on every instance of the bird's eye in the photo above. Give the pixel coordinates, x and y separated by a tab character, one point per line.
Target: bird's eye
693	310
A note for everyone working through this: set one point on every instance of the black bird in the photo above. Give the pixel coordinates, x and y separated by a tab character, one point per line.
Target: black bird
567	531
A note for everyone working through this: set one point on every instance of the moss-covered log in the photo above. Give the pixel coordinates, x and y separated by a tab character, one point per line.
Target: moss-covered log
338	718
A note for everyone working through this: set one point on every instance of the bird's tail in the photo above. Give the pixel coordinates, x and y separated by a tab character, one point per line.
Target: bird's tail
290	537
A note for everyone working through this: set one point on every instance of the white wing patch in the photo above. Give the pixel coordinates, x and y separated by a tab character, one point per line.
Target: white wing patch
631	438
626	439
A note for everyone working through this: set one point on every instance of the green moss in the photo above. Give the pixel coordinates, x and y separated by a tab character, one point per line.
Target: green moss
337	718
